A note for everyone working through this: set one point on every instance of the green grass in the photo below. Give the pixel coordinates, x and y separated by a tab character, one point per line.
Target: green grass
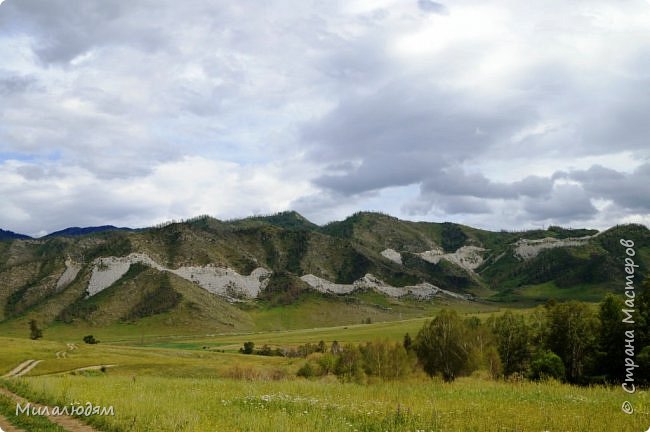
548	290
23	421
469	404
184	384
316	310
132	360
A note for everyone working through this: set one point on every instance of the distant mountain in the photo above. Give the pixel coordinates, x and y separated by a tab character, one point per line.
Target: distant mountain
10	235
77	231
207	270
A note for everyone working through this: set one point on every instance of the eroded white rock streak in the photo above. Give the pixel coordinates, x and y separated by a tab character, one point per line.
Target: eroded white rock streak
467	257
527	249
218	280
325	286
226	281
71	271
392	255
369	282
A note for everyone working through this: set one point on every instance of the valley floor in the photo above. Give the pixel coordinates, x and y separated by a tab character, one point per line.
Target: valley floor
202	383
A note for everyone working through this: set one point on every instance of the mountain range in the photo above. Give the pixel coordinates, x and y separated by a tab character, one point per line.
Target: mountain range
220	274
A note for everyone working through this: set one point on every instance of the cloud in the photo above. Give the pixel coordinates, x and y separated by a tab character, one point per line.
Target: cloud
628	190
454	181
37	199
390	105
566	203
432	7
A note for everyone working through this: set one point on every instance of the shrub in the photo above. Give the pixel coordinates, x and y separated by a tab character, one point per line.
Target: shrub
34	331
547	364
306	371
349	365
247	348
90	339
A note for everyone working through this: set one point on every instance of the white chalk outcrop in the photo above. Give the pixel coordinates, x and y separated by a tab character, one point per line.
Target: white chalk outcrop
71	271
392	255
467	257
325	286
226	281
527	249
369	282
106	271
218	280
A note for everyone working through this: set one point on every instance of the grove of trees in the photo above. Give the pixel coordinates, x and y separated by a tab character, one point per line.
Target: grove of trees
580	343
577	342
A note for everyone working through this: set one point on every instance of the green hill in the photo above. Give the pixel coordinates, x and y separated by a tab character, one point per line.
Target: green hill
210	274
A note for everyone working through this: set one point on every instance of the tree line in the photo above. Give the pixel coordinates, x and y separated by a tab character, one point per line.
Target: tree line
575	342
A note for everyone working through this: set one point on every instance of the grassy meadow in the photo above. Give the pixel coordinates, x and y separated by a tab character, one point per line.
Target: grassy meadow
189	384
469	404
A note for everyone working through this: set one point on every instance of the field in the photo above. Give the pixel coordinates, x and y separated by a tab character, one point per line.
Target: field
189	384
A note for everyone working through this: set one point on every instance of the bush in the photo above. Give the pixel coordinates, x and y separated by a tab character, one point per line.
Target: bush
306	371
34	331
247	348
547	364
327	363
90	339
349	365
386	360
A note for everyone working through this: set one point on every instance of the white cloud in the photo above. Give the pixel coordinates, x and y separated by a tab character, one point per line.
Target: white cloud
173	190
328	107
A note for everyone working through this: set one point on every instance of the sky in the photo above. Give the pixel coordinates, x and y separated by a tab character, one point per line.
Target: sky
496	114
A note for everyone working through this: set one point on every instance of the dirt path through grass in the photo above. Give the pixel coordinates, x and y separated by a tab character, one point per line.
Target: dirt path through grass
22	368
70	424
5	426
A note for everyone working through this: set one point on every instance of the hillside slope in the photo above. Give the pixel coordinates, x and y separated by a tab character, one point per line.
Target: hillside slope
212	272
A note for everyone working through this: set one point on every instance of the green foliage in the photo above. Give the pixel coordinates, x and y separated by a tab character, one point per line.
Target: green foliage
611	338
247	348
34	331
407	343
572	330
453	237
283	289
512	335
78	309
562	233
353	265
90	339
115	244
382	360
385	360
13	306
546	364
162	299
442	346
443	274
306	371
643	371
349	365
296	243
642	318
327	363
